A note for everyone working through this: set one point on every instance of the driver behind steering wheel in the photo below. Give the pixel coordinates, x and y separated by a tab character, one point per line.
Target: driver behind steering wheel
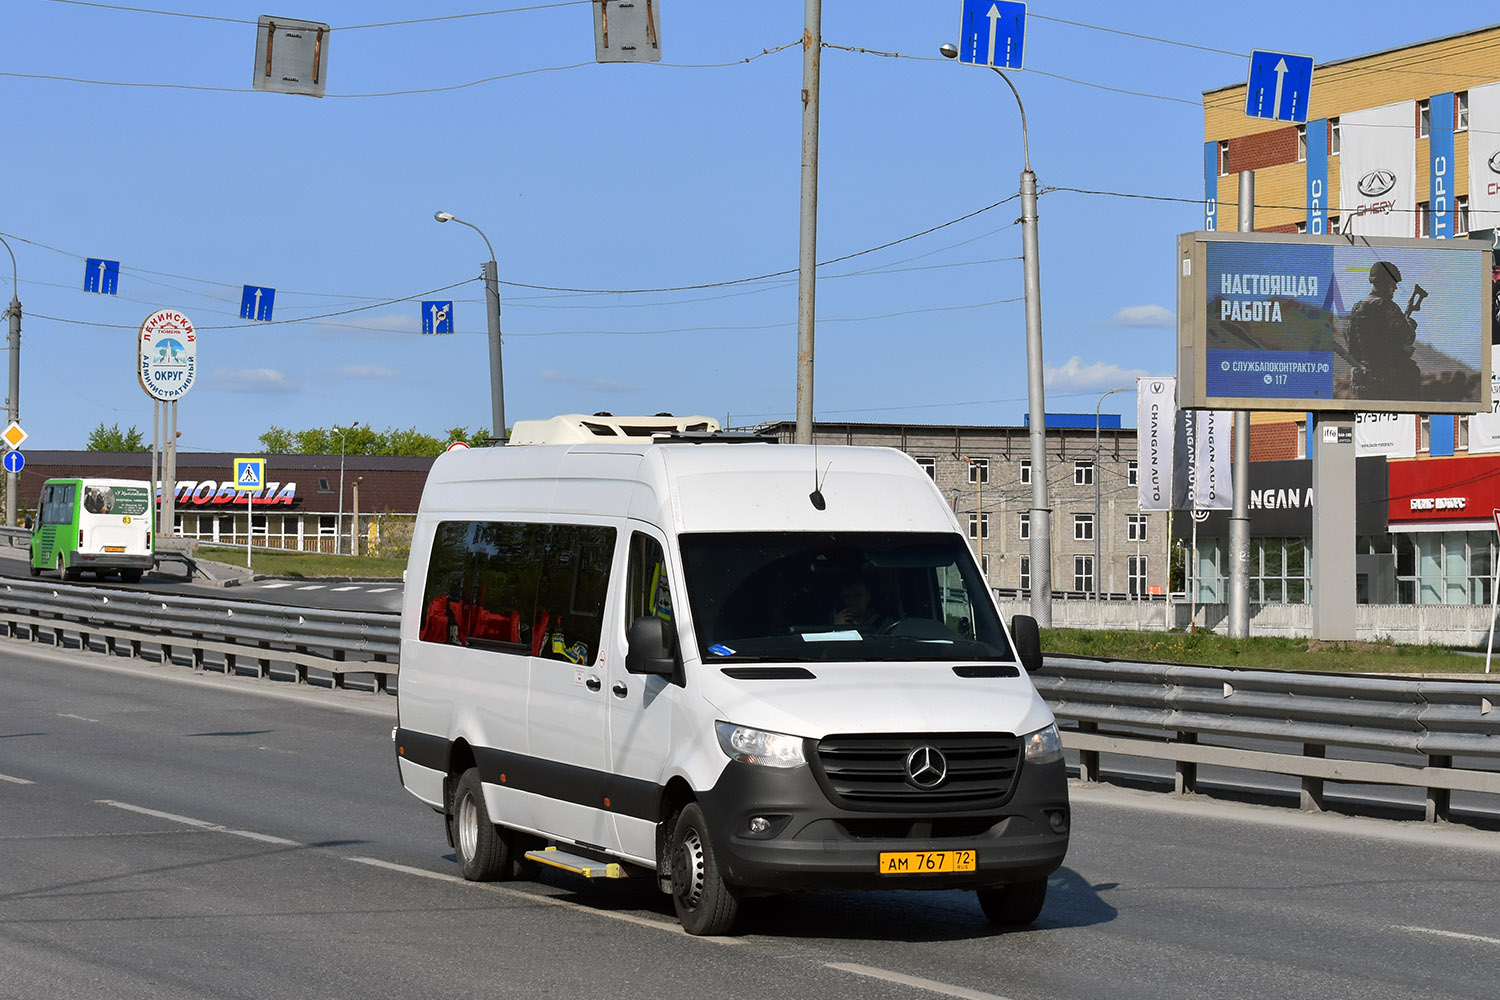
855	608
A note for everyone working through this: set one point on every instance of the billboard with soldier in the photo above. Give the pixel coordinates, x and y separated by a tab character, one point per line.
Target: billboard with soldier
1332	323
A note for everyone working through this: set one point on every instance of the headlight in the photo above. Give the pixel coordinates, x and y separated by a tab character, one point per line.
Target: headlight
1043	746
756	746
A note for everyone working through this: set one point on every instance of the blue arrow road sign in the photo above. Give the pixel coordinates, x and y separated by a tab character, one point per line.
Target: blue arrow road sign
14	461
1279	87
437	317
256	302
992	33
102	276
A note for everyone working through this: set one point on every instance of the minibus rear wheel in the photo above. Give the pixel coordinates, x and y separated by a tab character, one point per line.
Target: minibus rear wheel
483	851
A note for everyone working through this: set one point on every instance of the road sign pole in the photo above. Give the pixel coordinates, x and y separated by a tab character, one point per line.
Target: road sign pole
13	398
249	529
1239	516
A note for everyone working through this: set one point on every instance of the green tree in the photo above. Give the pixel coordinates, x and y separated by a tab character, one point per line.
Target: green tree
111	438
276	441
361	439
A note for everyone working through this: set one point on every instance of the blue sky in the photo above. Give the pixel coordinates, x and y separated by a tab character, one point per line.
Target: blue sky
609	178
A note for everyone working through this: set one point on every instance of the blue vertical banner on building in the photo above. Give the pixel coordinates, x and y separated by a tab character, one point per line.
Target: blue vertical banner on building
1317	177
1442	169
1210	186
1440	435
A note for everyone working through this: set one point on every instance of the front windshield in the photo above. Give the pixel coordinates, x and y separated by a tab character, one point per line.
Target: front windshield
868	596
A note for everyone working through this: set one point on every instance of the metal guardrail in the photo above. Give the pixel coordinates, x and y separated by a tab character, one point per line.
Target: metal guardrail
1188	714
15	537
339	642
1191	716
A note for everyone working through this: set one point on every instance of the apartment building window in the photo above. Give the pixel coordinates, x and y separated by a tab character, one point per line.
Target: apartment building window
1025	572
1461	433
979	470
1461	215
1301	227
1223	157
979	525
1302	439
1132	473
1083	473
1083	527
1461	111
1025	471
1424	218
1024	520
984	566
1083	574
1137	529
1301	143
1333	224
1334	138
1137	572
1424	434
929	466
1424	119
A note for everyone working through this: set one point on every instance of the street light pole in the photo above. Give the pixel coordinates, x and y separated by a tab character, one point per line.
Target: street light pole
13	399
491	273
1041	512
1098	518
338	526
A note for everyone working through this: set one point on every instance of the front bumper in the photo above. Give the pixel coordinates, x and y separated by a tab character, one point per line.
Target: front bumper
815	844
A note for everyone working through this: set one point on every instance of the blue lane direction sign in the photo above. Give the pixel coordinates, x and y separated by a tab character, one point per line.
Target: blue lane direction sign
102	276
14	461
437	317
992	34
1279	86
249	473
256	302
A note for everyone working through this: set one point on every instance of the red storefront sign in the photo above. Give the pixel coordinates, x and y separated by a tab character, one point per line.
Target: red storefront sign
1443	490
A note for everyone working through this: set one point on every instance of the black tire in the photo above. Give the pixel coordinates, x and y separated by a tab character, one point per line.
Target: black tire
705	903
1017	904
483	850
130	575
64	571
34	569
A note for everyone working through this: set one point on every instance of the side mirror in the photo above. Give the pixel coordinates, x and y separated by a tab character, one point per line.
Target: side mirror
1027	636
651	641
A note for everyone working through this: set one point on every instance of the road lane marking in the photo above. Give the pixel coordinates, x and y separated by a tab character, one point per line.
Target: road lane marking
629	918
340	590
1449	934
200	824
381	590
273	586
931	985
15	781
313	586
80	718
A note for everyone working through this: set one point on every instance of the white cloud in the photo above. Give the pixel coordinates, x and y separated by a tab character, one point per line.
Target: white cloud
596	384
1074	374
1145	316
251	380
366	372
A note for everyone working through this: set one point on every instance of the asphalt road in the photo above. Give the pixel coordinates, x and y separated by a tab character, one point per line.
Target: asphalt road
179	834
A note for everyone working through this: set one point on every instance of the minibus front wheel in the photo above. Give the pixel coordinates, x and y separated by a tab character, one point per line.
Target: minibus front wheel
704	902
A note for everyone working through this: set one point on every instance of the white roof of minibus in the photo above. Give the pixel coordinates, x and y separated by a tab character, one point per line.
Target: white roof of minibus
694	486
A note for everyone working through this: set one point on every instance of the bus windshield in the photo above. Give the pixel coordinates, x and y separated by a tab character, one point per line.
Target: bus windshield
869	596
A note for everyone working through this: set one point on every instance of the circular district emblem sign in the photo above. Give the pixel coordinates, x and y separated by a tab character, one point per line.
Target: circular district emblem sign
167	358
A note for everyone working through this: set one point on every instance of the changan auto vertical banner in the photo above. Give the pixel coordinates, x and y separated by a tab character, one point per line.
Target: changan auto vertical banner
1484	156
1156	422
1377	171
1212	486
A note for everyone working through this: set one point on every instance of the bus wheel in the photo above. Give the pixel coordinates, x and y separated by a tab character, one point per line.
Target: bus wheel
65	572
705	903
34	568
483	850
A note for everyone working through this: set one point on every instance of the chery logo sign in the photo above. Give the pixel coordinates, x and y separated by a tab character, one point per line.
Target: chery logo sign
1376	182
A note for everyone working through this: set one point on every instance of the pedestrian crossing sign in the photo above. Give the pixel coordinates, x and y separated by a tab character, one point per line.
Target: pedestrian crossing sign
249	473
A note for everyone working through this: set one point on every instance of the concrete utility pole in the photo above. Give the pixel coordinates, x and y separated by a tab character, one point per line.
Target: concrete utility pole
13	398
807	268
1239	516
491	272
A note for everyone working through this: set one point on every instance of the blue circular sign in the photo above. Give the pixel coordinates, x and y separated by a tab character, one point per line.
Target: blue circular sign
14	461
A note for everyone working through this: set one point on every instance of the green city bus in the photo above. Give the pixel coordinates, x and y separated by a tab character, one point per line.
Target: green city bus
99	525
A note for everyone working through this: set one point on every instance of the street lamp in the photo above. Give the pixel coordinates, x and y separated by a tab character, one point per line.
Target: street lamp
338	526
1098	521
13	400
1041	513
492	304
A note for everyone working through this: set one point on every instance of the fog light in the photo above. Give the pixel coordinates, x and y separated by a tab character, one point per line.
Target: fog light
1058	820
759	824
